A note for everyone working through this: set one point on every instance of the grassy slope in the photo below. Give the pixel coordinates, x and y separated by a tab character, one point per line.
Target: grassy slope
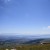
32	47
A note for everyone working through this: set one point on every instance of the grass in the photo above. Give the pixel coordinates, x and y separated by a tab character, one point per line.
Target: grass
30	47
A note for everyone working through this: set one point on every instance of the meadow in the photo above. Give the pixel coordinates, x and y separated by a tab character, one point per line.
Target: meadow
29	47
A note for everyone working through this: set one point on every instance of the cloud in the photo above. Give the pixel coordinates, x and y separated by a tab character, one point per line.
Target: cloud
48	27
5	1
45	30
8	0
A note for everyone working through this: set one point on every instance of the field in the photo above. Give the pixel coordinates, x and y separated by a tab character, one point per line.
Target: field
30	47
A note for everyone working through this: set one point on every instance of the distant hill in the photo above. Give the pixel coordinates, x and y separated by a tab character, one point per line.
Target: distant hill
21	40
36	41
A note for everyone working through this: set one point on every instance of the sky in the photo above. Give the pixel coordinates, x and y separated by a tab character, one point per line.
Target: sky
25	17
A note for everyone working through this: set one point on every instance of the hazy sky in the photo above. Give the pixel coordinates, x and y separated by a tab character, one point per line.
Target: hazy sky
25	16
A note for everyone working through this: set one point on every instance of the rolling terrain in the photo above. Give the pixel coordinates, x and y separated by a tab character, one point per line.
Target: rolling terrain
24	42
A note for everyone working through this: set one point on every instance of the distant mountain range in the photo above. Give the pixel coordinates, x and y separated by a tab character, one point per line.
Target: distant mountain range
22	40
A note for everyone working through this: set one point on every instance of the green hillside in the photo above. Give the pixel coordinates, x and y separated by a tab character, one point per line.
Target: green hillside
30	47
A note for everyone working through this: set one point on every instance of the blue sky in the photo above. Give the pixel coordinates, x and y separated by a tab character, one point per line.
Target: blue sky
25	16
